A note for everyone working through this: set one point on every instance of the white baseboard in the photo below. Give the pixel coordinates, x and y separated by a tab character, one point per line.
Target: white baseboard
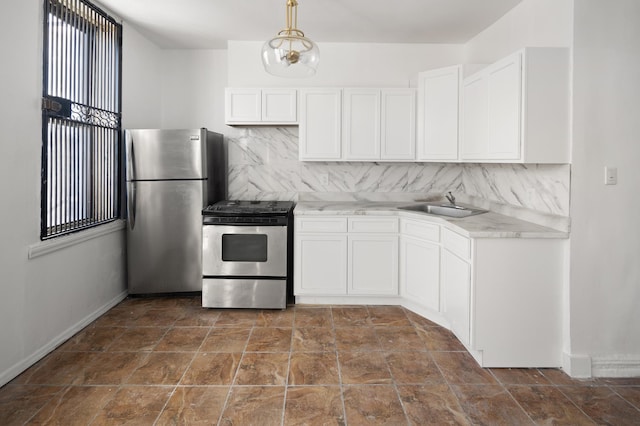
583	366
8	375
348	300
618	366
578	366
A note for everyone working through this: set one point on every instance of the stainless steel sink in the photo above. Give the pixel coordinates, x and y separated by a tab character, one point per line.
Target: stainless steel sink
443	210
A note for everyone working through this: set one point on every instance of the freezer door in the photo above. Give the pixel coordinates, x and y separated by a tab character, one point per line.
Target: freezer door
164	236
154	154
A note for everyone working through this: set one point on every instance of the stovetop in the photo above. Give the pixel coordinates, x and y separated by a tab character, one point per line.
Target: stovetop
248	208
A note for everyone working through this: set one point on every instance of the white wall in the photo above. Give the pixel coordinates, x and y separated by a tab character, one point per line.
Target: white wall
346	64
602	314
544	23
193	83
20	85
45	300
605	242
141	81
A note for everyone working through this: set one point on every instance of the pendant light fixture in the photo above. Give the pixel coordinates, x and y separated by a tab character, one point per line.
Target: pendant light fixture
290	53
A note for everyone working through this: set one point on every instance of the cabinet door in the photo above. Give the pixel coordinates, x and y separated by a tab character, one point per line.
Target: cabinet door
474	118
320	123
279	105
373	264
361	124
420	272
320	264
243	105
456	284
438	114
504	103
398	125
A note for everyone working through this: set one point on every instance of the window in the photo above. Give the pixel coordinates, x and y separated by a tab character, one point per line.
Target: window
81	118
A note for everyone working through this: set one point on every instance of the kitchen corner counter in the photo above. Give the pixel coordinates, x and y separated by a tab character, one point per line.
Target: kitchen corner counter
486	225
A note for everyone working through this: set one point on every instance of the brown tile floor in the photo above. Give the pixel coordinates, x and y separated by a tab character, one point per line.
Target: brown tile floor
168	361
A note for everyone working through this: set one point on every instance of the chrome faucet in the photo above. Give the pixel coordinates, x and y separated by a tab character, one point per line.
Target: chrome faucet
449	196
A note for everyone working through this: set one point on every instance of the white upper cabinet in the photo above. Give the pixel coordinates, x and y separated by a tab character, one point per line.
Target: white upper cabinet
438	114
260	106
320	124
378	124
504	103
375	124
398	124
279	106
243	106
517	109
361	124
474	118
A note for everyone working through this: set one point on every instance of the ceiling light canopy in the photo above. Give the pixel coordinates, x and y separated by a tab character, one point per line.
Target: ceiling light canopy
290	53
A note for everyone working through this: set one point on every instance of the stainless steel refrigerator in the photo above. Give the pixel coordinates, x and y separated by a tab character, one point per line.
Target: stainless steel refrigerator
171	176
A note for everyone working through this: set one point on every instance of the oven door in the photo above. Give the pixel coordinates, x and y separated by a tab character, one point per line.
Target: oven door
244	251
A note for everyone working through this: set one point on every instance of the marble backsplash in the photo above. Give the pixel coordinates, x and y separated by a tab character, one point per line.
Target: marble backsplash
263	165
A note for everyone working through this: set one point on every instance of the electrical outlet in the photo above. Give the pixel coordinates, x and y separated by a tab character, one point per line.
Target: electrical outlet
610	175
324	179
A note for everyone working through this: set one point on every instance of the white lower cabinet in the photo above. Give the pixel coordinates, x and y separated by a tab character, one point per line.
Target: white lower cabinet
321	264
346	256
456	282
502	297
420	263
373	264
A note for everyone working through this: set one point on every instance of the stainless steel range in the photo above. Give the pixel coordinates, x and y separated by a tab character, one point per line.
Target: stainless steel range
247	254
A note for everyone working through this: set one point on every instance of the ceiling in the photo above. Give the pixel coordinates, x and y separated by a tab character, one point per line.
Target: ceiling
208	24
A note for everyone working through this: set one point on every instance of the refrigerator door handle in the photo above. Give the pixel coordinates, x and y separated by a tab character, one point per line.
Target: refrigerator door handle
131	205
132	160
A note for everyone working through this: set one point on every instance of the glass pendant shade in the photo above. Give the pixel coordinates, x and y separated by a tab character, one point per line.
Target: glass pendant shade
290	53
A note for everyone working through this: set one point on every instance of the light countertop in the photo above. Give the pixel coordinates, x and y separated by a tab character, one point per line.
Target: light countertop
486	225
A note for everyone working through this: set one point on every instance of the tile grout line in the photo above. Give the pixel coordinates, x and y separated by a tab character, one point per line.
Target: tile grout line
513	398
575	404
66	390
393	380
614	390
235	376
286	382
335	351
123	383
449	385
175	387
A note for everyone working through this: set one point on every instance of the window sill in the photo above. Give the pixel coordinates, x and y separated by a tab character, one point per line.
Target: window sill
45	247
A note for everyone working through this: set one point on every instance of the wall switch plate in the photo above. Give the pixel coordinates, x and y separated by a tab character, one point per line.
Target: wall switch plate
324	179
610	175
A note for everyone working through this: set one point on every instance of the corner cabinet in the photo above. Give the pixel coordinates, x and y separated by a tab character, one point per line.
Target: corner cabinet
517	109
502	298
456	282
420	264
261	106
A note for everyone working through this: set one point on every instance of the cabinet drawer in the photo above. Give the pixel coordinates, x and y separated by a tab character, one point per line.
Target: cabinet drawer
321	224
456	244
418	229
373	224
